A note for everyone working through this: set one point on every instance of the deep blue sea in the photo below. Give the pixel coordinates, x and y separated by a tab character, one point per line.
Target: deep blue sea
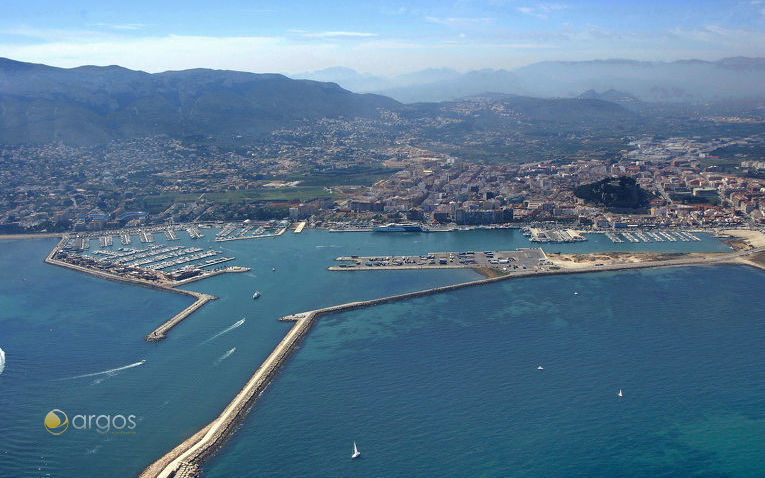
443	385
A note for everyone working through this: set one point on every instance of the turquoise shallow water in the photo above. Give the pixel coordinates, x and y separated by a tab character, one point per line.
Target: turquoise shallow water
57	324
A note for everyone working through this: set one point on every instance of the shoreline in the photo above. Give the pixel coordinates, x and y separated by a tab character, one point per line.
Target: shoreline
189	455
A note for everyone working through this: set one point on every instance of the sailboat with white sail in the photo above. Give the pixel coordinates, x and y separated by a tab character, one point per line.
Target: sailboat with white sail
356	452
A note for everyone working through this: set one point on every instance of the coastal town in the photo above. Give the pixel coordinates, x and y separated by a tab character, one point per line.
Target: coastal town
363	173
372	239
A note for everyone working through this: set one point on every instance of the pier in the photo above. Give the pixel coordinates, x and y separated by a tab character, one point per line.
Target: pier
193	232
299	228
613	237
161	332
636	236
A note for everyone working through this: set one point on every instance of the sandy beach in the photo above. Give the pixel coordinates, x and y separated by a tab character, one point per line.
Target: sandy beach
753	239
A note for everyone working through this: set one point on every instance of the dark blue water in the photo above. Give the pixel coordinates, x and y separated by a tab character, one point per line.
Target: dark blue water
56	324
448	385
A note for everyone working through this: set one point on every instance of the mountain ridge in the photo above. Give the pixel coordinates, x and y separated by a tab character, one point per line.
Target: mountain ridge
691	81
40	103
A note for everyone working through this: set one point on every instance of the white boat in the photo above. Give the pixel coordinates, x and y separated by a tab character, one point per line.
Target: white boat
356	452
620	394
256	294
576	293
273	269
540	368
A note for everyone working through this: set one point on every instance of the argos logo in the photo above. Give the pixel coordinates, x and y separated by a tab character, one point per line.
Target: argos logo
56	422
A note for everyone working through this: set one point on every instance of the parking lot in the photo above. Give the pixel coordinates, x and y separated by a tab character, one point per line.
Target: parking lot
519	259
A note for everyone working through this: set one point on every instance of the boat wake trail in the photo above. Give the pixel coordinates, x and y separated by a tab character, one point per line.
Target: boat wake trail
111	371
224	356
228	329
2	360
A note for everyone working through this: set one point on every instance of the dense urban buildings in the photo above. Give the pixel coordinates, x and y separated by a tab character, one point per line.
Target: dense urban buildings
57	187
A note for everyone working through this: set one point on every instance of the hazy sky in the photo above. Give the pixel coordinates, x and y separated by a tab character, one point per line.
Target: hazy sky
381	37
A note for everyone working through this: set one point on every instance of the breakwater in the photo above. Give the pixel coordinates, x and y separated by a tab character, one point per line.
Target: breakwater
161	332
190	454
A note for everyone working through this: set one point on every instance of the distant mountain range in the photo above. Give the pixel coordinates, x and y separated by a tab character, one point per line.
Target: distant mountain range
687	81
90	104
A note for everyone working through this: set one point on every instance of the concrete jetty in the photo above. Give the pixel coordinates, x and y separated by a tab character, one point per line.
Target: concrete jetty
161	332
300	226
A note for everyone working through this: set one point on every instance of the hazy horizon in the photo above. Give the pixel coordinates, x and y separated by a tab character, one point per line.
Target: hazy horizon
383	75
382	39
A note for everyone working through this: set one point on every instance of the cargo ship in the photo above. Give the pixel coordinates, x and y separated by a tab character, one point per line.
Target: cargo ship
400	228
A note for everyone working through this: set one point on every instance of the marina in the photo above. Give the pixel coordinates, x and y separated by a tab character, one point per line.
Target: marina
145	236
614	237
261	232
637	236
160	265
194	232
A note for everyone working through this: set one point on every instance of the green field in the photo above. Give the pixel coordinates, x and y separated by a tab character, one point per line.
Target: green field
354	176
159	202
